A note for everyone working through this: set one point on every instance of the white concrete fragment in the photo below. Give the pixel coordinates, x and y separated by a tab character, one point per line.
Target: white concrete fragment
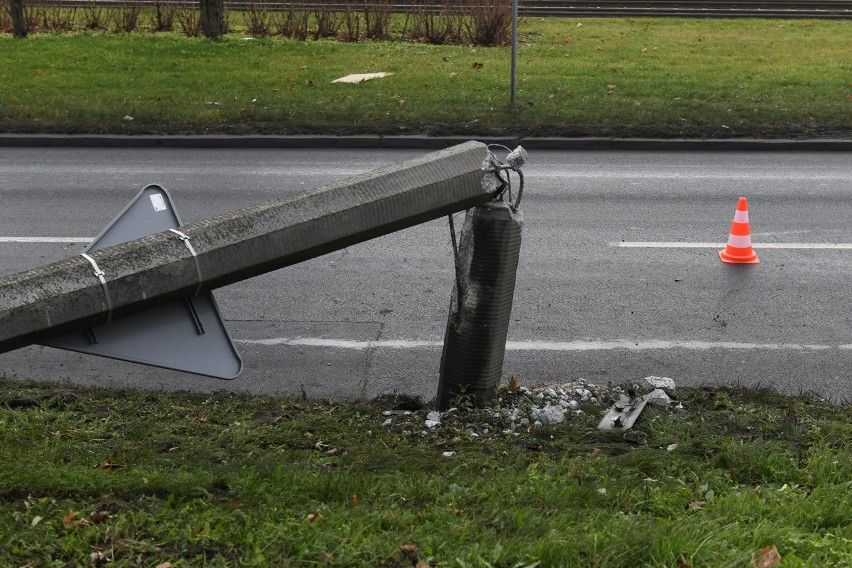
657	382
549	415
357	78
659	397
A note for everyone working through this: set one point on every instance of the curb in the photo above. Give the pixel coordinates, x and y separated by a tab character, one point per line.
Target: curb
418	142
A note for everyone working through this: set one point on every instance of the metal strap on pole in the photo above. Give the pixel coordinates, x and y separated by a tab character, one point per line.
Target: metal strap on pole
185	238
100	275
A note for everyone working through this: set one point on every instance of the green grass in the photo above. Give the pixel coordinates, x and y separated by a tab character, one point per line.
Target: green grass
639	77
225	480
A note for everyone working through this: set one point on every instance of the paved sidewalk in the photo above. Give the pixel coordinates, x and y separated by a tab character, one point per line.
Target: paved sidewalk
425	142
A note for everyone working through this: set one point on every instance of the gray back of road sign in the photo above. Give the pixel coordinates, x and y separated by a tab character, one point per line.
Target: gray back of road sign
187	335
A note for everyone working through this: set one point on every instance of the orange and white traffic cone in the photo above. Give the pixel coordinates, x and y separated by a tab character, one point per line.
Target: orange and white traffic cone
739	249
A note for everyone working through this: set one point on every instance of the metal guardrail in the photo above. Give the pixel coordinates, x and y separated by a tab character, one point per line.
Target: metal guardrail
825	9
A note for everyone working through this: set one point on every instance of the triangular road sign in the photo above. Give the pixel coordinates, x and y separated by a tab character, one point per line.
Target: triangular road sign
187	335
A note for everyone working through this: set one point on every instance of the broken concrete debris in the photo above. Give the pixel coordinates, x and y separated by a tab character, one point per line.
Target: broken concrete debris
659	397
357	78
649	383
623	414
433	419
522	409
549	415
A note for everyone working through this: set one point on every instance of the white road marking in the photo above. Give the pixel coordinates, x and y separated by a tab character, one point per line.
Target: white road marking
565	346
679	244
46	239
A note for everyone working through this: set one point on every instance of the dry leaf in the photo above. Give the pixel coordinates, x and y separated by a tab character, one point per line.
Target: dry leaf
551	96
671	447
513	384
355	499
769	558
401	102
98	517
71	520
165	565
110	464
315	516
410	552
695	505
453	75
610	87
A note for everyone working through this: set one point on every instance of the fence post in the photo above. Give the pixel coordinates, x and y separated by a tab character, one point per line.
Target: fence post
19	21
478	323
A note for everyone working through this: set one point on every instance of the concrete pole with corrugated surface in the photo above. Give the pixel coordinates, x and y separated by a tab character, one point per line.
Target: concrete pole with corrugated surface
481	307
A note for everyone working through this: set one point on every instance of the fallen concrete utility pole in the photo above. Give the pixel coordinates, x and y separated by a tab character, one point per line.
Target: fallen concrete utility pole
82	292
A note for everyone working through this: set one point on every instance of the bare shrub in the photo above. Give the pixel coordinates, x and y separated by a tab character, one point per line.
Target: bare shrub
260	20
58	19
377	15
33	15
326	22
5	20
189	21
93	16
125	18
487	23
438	28
351	22
163	16
288	21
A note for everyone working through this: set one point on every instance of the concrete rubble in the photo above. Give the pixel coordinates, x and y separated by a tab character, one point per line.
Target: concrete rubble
626	410
523	409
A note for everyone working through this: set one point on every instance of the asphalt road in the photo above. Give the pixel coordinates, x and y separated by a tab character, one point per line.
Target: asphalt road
591	300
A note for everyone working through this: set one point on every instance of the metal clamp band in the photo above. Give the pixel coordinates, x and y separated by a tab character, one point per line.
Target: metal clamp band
100	276
185	238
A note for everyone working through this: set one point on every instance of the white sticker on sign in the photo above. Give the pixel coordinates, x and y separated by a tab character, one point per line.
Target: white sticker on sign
158	202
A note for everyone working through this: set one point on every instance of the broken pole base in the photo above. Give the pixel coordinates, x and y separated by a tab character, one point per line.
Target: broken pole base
477	326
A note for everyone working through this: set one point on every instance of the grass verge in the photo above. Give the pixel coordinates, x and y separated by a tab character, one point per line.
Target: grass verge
134	478
626	77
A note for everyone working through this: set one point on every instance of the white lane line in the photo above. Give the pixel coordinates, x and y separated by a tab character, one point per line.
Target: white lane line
46	239
679	244
579	345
